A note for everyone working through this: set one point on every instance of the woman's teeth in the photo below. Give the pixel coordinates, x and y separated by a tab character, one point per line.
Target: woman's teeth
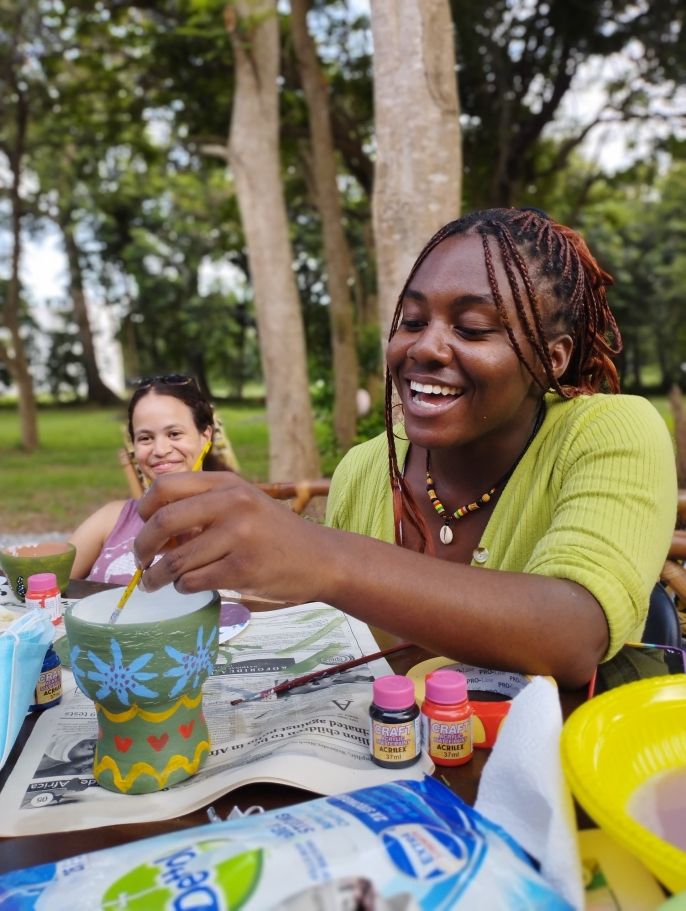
433	389
433	395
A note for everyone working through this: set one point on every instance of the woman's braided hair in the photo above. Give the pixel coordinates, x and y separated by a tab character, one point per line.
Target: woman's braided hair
536	254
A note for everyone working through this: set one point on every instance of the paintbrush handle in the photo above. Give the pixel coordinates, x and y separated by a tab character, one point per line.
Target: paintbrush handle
126	594
325	672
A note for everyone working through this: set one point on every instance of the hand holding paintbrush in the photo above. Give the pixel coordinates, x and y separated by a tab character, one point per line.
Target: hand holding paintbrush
136	578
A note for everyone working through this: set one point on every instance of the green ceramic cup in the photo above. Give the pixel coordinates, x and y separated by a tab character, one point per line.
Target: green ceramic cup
20	561
145	675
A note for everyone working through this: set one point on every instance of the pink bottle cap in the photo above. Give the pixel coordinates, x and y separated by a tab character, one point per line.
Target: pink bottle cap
41	582
393	692
446	687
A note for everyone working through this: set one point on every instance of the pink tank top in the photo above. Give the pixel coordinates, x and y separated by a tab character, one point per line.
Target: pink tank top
115	563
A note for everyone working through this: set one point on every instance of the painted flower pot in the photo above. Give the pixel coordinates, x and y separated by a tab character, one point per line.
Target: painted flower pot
145	675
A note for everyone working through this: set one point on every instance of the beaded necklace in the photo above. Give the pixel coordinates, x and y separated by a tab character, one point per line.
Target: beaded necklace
446	532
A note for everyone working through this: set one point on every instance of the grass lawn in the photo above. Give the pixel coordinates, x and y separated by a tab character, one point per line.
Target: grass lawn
76	469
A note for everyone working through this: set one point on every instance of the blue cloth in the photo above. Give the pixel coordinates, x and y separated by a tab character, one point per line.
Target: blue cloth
22	649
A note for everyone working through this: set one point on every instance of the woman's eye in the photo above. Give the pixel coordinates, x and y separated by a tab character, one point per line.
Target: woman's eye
472	331
411	324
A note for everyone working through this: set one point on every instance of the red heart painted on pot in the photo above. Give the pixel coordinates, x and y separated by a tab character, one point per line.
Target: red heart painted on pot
158	743
186	729
101	733
122	743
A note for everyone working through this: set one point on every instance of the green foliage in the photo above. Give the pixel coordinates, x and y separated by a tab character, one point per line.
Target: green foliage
123	101
641	239
517	62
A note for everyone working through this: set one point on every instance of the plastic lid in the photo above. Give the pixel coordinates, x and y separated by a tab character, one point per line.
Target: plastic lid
393	692
42	582
445	687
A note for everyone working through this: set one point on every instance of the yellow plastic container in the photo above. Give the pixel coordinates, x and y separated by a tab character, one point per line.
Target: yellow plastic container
613	745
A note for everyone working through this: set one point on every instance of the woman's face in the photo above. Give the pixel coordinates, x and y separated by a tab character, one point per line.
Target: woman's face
165	438
457	375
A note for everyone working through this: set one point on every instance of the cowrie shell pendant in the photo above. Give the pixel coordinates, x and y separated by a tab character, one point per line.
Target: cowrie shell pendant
446	534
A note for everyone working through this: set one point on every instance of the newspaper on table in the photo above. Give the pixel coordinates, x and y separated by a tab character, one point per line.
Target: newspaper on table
316	737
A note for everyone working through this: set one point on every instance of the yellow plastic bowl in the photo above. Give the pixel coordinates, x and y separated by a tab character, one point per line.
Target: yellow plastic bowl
614	744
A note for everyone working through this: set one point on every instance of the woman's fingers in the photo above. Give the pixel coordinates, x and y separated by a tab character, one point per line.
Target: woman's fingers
189	570
170	506
209	530
181	486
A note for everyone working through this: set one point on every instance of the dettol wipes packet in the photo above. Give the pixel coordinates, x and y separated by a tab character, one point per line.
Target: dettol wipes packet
402	846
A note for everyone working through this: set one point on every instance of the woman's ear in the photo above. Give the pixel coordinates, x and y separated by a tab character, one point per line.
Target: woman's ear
560	349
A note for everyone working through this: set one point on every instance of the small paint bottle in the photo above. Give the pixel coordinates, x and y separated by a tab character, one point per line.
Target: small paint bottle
395	728
49	685
43	592
447	718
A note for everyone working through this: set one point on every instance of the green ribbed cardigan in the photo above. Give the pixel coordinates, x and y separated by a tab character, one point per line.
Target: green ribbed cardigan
592	500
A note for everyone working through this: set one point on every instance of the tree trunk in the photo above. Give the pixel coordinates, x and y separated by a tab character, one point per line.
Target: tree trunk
336	249
417	182
13	355
98	392
254	158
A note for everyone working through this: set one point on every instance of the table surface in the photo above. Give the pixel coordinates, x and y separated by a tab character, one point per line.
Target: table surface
28	850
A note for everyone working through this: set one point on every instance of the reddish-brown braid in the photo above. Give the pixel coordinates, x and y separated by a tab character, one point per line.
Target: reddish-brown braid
574	286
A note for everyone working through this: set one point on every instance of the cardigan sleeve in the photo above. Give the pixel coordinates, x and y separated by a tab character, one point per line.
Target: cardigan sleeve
615	511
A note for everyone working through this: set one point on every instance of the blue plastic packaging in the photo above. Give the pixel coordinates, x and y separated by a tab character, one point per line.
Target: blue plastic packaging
411	841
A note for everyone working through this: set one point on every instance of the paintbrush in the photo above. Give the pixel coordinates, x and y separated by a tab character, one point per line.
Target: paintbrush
136	578
326	672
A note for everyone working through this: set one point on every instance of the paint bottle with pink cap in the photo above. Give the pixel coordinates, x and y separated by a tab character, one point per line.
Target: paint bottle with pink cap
44	592
447	718
395	729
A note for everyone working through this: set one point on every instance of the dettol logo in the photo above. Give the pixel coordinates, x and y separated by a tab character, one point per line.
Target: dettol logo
188	879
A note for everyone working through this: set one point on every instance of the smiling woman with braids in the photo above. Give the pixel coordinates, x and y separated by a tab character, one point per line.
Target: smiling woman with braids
532	505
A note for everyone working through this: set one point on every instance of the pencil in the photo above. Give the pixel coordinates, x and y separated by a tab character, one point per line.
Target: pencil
326	672
136	577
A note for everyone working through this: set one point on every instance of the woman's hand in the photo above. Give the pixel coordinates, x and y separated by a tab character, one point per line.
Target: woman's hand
226	533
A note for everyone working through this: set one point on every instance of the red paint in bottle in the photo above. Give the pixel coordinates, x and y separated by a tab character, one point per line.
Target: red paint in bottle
447	718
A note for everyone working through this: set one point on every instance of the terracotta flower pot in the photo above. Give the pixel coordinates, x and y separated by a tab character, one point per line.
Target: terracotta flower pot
145	675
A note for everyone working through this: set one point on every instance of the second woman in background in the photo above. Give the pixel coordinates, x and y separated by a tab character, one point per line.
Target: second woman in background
169	422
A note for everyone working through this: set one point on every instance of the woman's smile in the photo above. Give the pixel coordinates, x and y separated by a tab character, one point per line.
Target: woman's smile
168	465
432	396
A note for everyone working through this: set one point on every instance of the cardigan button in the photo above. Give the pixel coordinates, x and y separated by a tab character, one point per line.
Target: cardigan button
480	555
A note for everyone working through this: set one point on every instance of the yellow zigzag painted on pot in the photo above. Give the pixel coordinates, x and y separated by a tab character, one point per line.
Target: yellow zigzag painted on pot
145	714
144	768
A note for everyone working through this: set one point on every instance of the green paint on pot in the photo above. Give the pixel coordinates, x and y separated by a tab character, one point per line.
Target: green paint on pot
146	682
24	560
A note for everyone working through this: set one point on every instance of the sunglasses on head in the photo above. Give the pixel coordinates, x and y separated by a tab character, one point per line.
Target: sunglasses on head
169	379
